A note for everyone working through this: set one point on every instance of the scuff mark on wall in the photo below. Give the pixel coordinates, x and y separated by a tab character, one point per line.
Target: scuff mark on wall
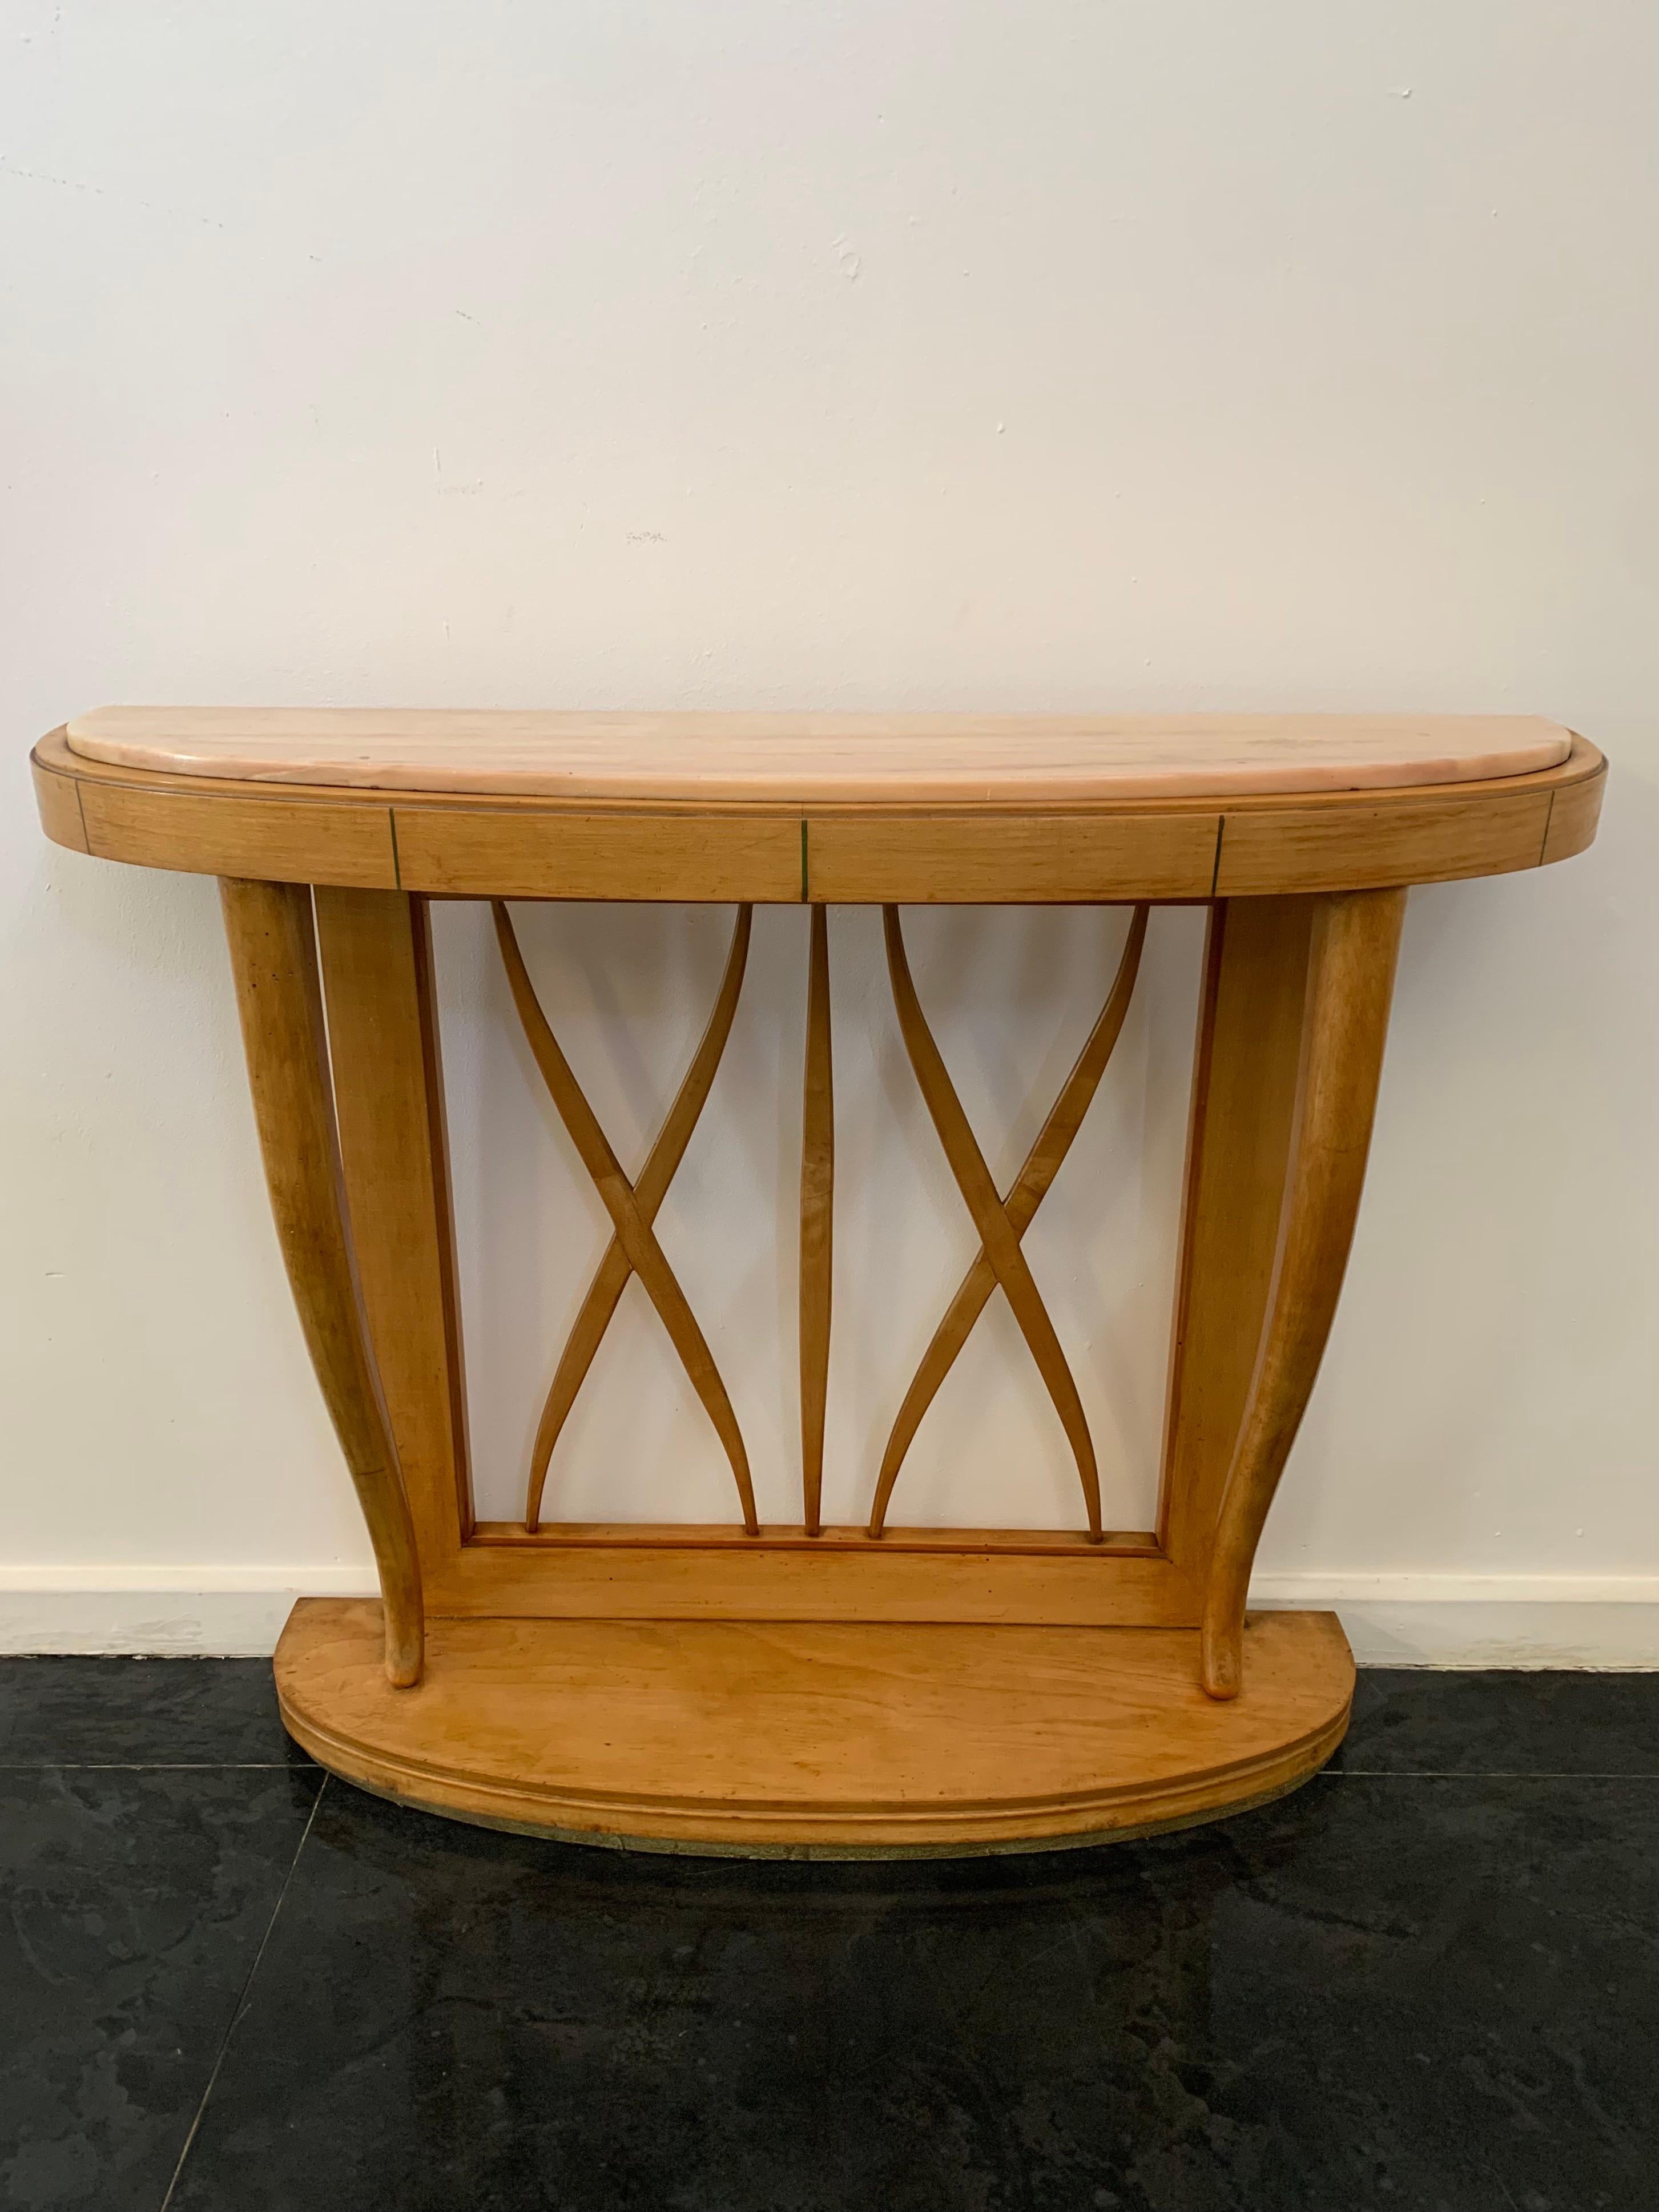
104	193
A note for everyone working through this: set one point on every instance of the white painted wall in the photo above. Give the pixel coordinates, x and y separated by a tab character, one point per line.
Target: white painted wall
1153	355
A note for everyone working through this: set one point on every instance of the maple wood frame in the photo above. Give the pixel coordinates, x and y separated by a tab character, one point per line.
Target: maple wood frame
326	904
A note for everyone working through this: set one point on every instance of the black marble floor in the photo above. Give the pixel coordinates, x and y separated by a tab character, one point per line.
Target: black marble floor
1427	1980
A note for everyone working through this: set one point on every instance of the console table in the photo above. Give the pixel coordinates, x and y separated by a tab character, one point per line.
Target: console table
811	1690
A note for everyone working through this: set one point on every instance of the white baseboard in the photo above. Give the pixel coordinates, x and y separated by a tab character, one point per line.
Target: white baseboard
221	1613
1392	1620
1484	1620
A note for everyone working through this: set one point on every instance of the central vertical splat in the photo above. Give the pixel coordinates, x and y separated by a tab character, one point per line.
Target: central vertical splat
818	1196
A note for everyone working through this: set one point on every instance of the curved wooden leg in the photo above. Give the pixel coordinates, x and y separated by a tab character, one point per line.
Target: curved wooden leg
375	951
817	1200
273	954
1350	965
1246	1059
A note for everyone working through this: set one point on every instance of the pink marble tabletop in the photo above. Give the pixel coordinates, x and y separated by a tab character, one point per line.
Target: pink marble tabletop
1017	758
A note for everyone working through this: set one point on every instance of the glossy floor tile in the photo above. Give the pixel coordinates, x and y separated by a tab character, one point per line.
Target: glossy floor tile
1429	1979
147	1712
1408	1721
136	1903
1380	1992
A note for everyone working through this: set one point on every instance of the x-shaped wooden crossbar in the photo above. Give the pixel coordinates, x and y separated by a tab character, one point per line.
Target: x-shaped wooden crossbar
1001	1222
633	1207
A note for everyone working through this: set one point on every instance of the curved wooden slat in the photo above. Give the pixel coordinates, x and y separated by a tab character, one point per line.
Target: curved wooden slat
273	956
818	1194
997	1237
633	1232
1030	1186
611	1278
1351	965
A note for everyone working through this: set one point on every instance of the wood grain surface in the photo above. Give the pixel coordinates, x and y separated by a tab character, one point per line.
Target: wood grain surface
817	1207
616	1269
998	1239
632	1230
273	957
375	950
875	851
1353	944
1025	1194
818	756
664	1572
835	1739
997	858
1245	1064
474	852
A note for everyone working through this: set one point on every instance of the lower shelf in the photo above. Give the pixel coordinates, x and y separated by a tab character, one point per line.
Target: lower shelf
838	1740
